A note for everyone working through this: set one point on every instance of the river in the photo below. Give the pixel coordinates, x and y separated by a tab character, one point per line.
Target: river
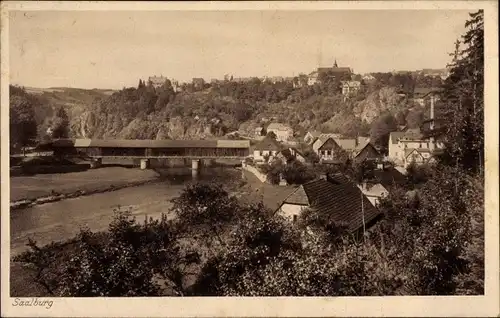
63	219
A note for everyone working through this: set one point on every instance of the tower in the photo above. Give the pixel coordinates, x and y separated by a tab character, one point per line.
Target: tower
335	65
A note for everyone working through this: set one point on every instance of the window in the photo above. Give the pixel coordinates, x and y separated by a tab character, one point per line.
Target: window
328	152
295	218
260	153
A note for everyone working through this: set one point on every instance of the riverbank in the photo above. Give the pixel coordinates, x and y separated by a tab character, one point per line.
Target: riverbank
27	191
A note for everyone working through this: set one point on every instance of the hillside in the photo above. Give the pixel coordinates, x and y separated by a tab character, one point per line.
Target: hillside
214	110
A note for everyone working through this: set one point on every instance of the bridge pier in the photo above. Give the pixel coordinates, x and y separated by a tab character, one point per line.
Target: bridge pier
95	163
144	164
195	164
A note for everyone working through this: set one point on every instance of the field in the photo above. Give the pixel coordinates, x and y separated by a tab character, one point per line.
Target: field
31	187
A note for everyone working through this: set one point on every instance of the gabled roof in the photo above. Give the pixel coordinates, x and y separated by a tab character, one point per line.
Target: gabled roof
346	144
424	91
268	144
360	148
410	151
389	176
344	203
322	139
314	133
337	178
334	69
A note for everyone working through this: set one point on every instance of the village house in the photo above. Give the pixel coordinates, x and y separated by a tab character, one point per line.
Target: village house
342	202
312	78
417	156
283	132
328	146
311	136
366	151
175	86
422	95
403	144
373	192
259	131
350	87
267	148
290	154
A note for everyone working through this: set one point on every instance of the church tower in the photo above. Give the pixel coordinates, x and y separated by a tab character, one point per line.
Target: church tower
335	65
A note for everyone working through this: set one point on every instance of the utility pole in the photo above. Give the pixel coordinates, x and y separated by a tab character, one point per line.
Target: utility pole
363	215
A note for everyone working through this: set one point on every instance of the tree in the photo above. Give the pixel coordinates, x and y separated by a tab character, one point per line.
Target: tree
271	135
23	127
60	124
415	118
381	128
205	211
463	98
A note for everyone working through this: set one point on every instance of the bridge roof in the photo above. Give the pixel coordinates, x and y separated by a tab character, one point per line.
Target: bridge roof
137	143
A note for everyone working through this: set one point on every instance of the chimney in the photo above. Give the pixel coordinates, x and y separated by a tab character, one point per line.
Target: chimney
432	112
432	141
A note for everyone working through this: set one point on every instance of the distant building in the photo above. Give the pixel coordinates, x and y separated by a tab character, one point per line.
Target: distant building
334	72
283	132
312	78
157	81
198	83
311	136
175	86
342	203
268	147
368	77
366	151
373	192
350	87
289	154
421	95
410	145
259	131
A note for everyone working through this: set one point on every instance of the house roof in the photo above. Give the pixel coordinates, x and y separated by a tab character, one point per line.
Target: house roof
268	144
424	91
334	69
346	144
322	139
314	133
278	126
136	143
389	177
337	178
410	134
344	203
360	148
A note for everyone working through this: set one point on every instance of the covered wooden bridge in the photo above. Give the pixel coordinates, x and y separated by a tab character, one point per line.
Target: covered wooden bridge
150	149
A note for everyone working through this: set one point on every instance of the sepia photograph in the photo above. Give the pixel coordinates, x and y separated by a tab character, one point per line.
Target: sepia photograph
249	153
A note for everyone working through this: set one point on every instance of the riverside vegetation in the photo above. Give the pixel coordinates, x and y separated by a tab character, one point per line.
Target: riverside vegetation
428	243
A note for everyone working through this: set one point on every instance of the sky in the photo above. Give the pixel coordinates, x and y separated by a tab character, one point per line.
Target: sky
114	49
